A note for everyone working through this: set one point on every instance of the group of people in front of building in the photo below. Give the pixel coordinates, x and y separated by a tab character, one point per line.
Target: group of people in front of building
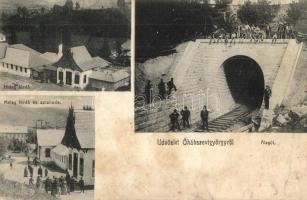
165	90
55	186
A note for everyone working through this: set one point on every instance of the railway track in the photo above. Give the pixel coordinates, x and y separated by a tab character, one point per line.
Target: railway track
224	122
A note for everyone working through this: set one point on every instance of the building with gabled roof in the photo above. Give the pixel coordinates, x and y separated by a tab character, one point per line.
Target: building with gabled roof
109	79
76	151
20	60
47	139
76	65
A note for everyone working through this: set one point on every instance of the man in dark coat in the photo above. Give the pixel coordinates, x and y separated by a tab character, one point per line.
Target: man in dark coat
47	184
267	95
204	115
40	171
174	120
46	172
170	86
148	92
81	184
30	170
162	89
185	117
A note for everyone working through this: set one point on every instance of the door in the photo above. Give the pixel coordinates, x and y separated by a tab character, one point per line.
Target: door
75	166
68	78
61	77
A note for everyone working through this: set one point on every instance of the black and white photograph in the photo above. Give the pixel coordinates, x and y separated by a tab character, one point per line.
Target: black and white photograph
220	66
65	45
47	147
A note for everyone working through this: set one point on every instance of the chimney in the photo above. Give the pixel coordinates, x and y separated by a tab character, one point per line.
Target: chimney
60	50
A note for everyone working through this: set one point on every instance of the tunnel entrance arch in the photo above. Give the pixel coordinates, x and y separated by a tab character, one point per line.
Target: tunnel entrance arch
245	80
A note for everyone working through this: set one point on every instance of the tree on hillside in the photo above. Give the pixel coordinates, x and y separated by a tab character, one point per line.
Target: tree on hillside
258	13
105	51
294	13
222	5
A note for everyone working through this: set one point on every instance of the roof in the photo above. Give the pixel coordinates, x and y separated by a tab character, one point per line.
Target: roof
126	45
110	76
60	150
80	54
49	137
13	129
94	63
24	56
85	128
52	57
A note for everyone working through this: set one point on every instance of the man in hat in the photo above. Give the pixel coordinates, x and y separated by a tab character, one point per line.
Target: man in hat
204	115
185	117
174	120
162	89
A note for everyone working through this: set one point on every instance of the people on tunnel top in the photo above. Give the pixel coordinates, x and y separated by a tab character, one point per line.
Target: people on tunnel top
148	92
267	96
162	89
174	120
185	113
204	115
171	86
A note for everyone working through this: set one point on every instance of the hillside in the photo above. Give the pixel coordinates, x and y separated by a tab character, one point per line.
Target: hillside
23	116
93	4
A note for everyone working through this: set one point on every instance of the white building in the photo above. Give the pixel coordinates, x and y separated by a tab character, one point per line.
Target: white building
13	132
109	80
76	152
76	65
47	139
21	60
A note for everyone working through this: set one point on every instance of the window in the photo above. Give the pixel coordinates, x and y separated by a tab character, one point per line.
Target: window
81	166
77	79
93	169
26	70
70	162
12	67
16	68
84	79
7	65
21	69
47	153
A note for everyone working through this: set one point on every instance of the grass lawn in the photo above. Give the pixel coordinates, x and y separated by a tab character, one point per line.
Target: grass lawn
14	190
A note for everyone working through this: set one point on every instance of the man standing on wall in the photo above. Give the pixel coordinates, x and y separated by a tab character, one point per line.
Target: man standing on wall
148	92
204	115
267	95
171	86
162	89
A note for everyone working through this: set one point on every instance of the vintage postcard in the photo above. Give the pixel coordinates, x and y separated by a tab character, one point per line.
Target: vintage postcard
220	66
65	45
47	147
